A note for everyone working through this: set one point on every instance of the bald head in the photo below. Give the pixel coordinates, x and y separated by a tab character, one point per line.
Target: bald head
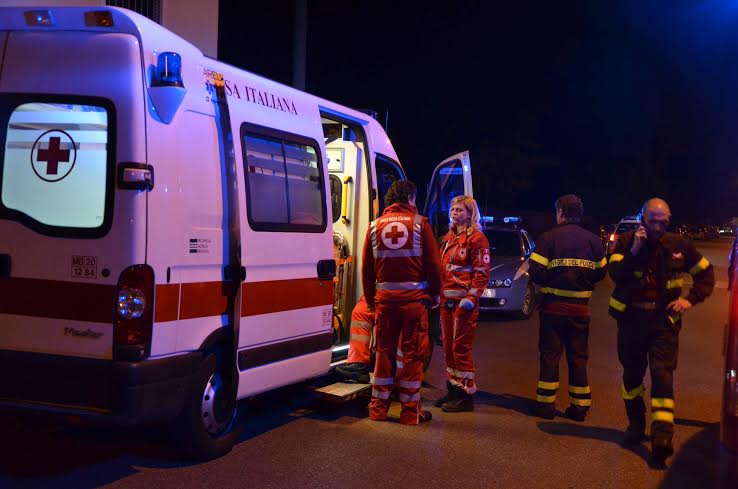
656	216
657	205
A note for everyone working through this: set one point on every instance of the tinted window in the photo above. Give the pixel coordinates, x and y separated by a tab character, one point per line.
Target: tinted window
336	197
503	243
284	184
387	172
56	173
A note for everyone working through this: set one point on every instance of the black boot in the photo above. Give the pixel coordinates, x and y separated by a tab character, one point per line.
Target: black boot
661	448
635	433
450	395
462	403
545	410
661	435
576	413
356	371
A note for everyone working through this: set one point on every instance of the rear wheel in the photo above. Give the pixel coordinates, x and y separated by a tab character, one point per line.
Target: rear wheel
529	302
210	423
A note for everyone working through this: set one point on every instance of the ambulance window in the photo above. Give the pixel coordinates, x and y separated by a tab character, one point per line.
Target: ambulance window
387	172
284	183
56	175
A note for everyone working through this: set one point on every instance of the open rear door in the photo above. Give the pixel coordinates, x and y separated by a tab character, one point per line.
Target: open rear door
451	177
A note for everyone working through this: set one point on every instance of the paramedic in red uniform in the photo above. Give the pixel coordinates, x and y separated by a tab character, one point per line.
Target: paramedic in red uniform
401	278
465	272
359	355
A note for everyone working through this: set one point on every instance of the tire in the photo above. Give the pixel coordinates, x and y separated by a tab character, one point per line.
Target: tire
209	425
529	303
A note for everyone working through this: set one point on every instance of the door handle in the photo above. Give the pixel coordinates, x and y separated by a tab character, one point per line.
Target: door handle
344	203
326	269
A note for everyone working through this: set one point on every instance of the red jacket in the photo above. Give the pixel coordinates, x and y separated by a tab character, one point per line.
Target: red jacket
400	260
464	264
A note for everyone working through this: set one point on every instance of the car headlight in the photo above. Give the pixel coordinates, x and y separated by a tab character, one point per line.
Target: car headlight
131	303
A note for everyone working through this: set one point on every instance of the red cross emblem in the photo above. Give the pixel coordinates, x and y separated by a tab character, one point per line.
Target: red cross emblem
53	151
395	235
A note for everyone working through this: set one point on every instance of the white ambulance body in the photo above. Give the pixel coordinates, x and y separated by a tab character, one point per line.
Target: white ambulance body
168	224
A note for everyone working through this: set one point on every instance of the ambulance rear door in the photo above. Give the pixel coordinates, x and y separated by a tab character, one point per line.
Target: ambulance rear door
71	108
451	177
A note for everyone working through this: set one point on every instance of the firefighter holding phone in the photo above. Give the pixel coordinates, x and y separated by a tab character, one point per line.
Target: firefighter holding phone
647	266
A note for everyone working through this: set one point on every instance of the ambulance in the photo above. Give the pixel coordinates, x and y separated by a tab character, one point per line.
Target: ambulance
176	234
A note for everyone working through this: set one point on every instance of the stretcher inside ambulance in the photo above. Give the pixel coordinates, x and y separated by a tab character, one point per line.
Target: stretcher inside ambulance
176	234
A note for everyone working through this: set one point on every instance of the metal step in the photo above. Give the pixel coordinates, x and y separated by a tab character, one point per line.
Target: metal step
344	391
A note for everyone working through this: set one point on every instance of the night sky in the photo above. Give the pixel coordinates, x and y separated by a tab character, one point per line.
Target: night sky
615	101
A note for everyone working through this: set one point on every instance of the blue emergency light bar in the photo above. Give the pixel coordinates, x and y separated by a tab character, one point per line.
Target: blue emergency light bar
168	70
39	18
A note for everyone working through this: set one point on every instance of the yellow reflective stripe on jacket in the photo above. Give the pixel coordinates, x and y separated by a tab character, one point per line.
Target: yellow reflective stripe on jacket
616	257
633	393
665	416
601	264
638	273
549	386
577	294
547	399
580	402
572	262
617	305
662	402
676	283
539	259
701	266
580	390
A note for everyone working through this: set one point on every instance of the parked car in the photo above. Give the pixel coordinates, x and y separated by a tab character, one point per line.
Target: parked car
509	288
628	223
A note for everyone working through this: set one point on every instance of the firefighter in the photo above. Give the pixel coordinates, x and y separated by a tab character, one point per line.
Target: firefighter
401	279
465	272
646	266
567	262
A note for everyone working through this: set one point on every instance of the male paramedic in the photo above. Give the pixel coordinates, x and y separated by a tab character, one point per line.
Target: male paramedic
401	278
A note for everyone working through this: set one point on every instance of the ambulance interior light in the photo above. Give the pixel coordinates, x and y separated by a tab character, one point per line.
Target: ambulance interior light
39	18
168	70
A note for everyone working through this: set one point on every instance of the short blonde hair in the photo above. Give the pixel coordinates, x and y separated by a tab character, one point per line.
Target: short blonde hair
475	218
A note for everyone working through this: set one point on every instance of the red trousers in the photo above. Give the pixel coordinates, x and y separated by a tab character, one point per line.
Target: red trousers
362	324
362	332
458	327
409	319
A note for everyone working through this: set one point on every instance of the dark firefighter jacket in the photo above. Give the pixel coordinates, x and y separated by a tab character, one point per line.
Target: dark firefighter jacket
567	262
678	256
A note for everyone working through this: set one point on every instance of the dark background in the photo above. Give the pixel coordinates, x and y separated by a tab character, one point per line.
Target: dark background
615	101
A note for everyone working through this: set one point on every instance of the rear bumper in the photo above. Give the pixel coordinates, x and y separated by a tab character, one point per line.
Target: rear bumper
98	391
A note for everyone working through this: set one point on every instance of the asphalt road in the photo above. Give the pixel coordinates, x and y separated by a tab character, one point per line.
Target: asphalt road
293	441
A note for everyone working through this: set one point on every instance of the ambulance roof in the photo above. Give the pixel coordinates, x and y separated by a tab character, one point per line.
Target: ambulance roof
156	39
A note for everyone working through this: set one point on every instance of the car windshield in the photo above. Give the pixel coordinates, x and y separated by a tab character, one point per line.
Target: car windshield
624	227
503	243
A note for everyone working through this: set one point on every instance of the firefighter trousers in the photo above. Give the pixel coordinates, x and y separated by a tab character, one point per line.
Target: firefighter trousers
409	319
649	339
458	327
557	334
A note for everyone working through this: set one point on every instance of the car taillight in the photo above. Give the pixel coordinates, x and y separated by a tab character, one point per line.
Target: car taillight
134	312
729	425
